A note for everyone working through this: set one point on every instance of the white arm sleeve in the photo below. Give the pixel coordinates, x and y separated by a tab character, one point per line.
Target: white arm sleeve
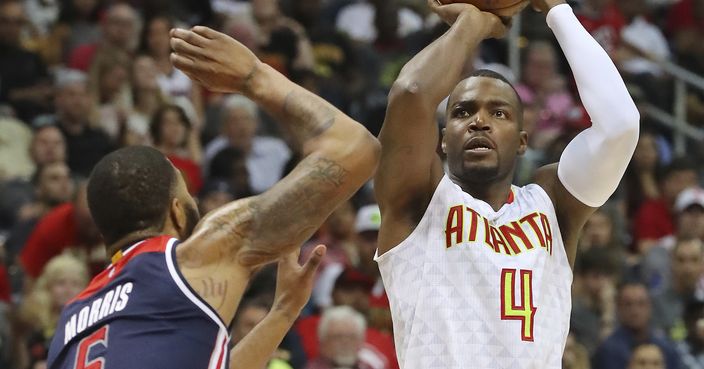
594	162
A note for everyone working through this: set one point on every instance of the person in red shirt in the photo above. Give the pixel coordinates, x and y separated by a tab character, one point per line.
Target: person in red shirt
353	289
603	20
119	30
654	219
174	135
66	226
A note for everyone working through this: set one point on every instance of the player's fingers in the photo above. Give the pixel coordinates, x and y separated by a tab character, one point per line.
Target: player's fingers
190	37
206	32
314	261
183	62
184	48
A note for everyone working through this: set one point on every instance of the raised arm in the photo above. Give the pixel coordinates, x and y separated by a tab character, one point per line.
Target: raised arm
293	287
410	169
340	155
592	164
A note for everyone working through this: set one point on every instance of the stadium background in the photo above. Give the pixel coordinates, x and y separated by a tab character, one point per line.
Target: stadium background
79	78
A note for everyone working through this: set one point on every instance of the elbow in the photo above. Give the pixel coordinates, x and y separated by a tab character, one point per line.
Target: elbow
628	127
406	89
370	150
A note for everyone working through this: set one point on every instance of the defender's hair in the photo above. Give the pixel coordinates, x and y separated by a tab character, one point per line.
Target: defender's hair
130	190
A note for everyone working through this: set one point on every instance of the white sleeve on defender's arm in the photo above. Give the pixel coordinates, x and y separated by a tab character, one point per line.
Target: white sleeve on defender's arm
594	162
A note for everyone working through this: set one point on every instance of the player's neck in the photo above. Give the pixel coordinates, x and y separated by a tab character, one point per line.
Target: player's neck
495	193
131	239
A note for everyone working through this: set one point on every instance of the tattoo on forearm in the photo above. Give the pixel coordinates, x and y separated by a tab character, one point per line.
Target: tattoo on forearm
306	118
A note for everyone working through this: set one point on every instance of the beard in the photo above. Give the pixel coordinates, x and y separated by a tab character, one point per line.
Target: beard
474	173
192	219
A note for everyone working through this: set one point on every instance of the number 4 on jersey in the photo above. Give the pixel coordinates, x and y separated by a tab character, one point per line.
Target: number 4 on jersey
524	309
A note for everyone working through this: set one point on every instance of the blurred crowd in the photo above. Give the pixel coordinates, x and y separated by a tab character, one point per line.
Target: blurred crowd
80	78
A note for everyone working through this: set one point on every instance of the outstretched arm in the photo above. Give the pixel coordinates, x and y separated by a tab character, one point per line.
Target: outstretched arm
339	154
594	162
293	287
410	169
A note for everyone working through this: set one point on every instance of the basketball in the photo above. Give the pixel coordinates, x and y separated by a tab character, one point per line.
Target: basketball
499	7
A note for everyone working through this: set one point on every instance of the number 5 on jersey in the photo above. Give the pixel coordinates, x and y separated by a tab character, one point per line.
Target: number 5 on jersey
524	309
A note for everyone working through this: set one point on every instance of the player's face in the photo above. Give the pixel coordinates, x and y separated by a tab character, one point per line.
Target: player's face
483	134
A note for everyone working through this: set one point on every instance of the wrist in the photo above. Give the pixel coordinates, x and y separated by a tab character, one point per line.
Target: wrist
256	83
284	312
553	3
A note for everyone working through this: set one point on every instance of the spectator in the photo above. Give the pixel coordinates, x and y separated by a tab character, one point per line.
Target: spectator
52	187
641	178
266	156
647	356
634	313
691	349
249	314
653	220
593	315
67	226
120	27
643	40
109	86
575	355
174	135
366	227
147	98
351	289
337	233
214	194
48	145
655	266
604	22
25	81
341	333
85	145
15	138
544	87
172	82
230	165
685	283
357	21
77	25
62	279
283	43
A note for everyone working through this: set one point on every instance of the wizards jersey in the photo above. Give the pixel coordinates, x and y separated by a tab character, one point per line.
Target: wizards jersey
476	288
140	313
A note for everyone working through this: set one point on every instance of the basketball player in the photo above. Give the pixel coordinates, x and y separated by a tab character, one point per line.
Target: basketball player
478	271
172	289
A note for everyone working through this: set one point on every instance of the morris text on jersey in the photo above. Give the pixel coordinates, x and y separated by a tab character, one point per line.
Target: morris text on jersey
114	300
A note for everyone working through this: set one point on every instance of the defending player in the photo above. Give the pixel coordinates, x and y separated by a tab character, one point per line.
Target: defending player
163	303
478	271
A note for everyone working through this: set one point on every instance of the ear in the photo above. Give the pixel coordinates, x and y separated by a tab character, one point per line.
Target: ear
177	215
443	144
523	143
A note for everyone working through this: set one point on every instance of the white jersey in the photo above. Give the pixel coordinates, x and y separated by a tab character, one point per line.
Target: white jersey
475	288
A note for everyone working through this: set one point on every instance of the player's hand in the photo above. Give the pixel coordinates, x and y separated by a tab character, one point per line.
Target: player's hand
294	282
494	26
544	6
213	59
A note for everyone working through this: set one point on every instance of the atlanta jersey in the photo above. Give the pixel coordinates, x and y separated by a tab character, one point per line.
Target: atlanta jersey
140	313
476	288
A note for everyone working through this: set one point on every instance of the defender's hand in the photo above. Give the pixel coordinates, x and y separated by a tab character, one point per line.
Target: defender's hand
491	24
544	6
213	59
294	282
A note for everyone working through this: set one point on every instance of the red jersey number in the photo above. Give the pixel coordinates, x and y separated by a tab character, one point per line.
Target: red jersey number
99	337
